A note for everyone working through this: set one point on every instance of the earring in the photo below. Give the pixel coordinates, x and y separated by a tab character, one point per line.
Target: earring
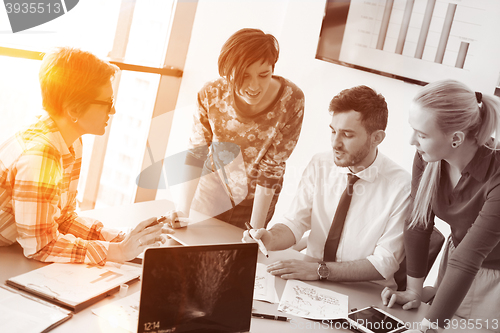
74	120
454	145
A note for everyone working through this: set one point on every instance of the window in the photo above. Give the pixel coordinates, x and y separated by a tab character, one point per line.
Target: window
19	94
136	35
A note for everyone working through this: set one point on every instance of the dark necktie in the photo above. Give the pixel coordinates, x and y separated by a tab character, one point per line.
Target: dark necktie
332	241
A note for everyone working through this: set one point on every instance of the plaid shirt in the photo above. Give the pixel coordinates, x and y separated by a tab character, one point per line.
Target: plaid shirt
38	185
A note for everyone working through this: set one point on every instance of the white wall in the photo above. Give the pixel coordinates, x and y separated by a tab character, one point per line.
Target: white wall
296	24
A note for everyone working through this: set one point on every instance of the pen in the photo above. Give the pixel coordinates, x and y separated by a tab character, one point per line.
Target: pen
261	245
268	316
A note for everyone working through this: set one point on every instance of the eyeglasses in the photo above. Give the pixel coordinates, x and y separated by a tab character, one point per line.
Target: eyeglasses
110	104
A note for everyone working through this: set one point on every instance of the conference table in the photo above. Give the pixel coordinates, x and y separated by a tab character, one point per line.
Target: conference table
205	230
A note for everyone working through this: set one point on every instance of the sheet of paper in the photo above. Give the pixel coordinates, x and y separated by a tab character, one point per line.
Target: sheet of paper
307	301
264	289
123	312
76	283
23	313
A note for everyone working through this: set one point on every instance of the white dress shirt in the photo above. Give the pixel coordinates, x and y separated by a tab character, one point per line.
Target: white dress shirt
374	224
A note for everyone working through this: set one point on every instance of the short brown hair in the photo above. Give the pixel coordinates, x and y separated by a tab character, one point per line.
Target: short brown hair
242	49
366	101
70	77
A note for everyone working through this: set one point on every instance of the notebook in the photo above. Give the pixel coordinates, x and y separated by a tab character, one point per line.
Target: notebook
75	286
206	288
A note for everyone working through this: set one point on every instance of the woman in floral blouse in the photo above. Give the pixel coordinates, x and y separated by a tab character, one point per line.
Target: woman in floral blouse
245	128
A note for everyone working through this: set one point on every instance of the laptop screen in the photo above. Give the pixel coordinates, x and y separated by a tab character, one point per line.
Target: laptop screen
205	288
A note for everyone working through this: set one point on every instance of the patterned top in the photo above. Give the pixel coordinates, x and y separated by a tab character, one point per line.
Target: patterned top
245	150
38	185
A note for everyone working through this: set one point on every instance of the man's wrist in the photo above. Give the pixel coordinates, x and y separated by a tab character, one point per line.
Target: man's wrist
323	271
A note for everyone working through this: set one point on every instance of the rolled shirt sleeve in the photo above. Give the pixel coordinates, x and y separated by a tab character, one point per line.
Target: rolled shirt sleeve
389	251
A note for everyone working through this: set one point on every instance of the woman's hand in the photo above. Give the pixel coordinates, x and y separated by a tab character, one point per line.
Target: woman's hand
408	298
147	233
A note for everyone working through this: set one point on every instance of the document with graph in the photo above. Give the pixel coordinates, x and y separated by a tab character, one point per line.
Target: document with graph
304	300
76	286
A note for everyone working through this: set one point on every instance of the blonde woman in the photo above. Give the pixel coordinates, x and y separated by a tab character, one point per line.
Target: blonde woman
456	177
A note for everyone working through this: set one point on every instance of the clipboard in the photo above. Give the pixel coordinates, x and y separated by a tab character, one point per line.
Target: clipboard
34	314
76	286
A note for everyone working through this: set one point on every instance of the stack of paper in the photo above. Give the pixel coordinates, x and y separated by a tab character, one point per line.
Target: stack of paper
24	313
264	289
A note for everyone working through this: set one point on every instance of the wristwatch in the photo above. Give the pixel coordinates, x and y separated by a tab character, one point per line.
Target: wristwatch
323	271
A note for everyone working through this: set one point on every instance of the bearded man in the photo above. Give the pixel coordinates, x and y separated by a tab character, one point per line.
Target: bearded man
353	199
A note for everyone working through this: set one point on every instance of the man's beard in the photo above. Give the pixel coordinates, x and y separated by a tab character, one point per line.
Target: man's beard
353	159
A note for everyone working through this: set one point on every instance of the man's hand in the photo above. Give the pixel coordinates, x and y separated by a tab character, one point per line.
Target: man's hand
294	269
250	236
278	238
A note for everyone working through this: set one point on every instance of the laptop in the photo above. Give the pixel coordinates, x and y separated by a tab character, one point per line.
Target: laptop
205	288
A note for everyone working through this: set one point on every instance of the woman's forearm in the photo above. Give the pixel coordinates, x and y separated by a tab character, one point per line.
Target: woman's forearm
261	203
191	178
415	284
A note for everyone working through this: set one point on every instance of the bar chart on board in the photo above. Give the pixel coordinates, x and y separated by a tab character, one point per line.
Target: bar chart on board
415	39
451	33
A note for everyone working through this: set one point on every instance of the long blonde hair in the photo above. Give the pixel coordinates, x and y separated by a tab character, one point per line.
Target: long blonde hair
455	108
